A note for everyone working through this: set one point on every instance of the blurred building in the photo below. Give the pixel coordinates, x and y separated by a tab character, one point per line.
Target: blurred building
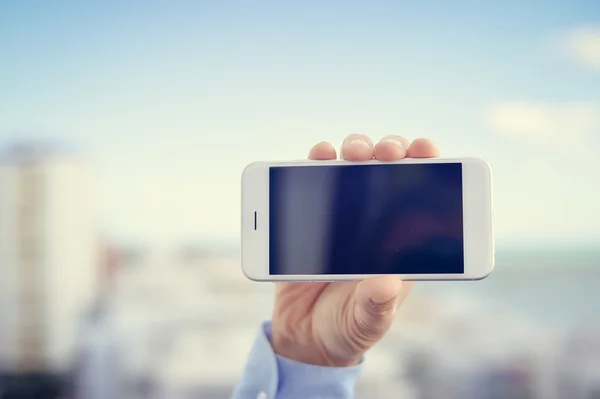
469	350
174	328
181	326
579	365
47	263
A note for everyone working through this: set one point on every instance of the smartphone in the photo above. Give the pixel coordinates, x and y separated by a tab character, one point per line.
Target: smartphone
419	219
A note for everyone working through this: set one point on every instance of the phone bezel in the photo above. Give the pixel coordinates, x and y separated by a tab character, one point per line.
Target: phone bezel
477	221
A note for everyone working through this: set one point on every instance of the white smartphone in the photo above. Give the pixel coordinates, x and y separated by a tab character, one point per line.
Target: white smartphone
419	219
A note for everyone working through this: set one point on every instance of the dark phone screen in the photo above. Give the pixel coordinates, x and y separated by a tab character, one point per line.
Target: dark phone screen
366	219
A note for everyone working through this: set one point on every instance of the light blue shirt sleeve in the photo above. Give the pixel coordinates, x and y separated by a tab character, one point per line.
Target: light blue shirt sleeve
270	376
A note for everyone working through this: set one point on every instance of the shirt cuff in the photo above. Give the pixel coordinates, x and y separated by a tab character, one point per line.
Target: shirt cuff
270	376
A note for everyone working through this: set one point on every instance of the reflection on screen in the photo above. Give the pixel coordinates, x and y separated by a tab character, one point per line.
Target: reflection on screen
366	219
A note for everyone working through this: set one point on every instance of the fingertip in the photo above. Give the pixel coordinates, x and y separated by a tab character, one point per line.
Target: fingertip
423	148
377	291
357	150
357	147
376	301
322	151
390	148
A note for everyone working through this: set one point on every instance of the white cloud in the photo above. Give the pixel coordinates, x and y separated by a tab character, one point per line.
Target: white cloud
575	120
583	44
540	199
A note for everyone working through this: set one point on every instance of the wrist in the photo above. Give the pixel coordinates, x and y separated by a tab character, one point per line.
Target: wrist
299	348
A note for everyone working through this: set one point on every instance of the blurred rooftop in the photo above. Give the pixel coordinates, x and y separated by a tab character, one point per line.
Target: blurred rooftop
27	151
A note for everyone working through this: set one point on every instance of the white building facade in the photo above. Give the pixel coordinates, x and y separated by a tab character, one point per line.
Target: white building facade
48	257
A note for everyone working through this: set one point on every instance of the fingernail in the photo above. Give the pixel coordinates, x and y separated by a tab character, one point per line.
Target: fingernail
381	308
393	142
360	142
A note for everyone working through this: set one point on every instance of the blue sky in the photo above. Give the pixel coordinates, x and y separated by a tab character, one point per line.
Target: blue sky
169	100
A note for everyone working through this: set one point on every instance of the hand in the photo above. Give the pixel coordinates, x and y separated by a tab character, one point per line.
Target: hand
333	324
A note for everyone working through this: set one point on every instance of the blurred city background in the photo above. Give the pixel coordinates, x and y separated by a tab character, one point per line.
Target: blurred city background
124	127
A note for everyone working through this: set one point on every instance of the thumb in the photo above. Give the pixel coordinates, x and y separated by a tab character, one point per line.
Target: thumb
376	300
